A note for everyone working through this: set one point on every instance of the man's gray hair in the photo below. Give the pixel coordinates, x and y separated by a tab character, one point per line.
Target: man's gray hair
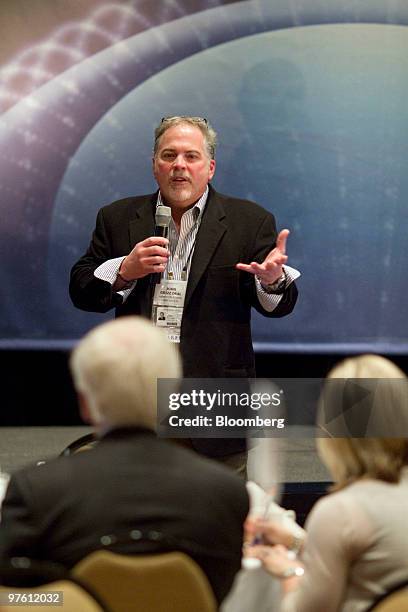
116	367
210	135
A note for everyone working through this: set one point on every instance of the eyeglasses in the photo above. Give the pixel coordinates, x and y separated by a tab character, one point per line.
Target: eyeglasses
196	119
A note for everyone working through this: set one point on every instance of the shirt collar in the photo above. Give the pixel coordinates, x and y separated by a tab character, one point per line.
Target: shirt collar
199	205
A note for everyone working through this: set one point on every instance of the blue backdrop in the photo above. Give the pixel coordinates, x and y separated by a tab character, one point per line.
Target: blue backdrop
309	101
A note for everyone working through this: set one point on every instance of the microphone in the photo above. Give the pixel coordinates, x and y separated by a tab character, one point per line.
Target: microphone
162	222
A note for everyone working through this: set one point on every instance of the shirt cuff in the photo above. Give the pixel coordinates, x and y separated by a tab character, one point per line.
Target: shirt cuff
269	301
108	272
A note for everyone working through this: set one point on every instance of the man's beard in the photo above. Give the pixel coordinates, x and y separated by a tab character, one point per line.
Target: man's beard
182	194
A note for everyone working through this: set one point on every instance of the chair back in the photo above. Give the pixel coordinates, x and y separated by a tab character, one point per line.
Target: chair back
168	582
74	598
84	443
396	600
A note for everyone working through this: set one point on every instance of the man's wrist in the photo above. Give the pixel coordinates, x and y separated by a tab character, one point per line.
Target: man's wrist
122	274
121	281
278	286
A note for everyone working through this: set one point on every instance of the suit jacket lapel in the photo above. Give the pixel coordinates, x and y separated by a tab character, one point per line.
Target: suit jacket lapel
141	226
142	223
211	230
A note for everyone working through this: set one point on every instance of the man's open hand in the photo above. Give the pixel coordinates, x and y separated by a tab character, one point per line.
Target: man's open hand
271	268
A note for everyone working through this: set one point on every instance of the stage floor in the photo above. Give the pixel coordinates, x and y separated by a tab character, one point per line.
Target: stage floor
19	446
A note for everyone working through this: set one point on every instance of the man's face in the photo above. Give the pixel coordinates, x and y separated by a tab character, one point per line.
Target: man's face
181	165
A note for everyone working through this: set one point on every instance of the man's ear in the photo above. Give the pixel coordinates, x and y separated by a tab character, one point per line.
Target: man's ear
211	170
84	409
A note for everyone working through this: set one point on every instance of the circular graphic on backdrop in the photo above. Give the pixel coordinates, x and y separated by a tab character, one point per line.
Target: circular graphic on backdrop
310	128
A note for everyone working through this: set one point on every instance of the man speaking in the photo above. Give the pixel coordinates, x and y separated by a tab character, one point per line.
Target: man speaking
222	256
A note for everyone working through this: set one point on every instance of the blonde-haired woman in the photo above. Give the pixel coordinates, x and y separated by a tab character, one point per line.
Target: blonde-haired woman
357	538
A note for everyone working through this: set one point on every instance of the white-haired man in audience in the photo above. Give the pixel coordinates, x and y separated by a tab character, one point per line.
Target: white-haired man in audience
133	491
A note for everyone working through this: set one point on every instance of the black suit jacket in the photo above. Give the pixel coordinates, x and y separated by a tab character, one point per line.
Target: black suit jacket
216	333
130	481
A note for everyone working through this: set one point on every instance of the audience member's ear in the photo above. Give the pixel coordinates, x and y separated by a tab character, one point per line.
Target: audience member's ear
84	409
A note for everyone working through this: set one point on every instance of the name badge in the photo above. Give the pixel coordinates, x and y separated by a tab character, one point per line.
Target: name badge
168	305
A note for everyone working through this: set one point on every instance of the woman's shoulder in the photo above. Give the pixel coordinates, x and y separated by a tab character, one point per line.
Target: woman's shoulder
342	512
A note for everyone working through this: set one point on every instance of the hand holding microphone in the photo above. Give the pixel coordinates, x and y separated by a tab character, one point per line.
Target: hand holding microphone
150	255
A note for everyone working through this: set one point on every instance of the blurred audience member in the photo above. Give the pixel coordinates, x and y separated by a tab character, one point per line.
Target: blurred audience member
133	492
357	542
